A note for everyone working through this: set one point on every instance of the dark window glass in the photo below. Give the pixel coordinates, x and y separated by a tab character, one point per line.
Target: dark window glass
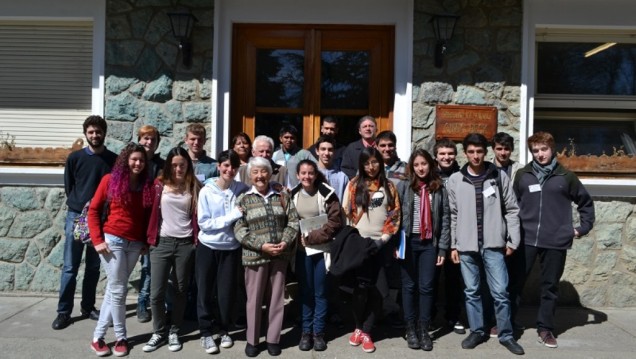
564	69
270	125
345	79
590	137
280	78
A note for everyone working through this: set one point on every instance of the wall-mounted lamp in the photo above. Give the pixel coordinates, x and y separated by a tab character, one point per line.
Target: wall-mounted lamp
443	27
182	24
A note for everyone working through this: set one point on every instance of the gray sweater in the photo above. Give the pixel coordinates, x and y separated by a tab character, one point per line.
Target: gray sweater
498	226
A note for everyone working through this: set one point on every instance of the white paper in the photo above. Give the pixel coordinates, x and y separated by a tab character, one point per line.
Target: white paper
309	224
489	191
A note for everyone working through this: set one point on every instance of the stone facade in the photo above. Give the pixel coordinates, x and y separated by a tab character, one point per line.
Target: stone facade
482	65
145	84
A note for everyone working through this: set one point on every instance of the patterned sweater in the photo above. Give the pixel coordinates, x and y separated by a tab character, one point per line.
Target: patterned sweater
266	219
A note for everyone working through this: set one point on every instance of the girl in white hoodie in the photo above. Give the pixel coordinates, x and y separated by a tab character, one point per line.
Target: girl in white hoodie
218	254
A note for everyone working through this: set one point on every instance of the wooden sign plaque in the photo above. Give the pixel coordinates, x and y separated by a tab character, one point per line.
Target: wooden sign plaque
456	121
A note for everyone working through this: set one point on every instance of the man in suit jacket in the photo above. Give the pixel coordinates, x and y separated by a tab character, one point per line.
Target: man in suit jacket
367	129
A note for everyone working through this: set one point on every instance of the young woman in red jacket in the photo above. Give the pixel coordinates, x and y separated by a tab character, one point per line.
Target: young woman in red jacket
120	239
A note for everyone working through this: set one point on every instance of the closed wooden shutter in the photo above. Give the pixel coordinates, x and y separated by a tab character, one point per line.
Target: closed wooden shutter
45	81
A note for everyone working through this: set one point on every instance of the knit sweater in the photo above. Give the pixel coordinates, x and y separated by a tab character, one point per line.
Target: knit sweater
266	219
82	173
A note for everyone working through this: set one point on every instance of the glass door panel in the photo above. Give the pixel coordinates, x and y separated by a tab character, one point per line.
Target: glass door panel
280	78
344	79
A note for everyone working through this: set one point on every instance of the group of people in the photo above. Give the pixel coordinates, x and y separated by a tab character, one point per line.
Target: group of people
349	219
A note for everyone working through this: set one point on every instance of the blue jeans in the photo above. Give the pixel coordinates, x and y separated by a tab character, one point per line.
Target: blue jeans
73	251
312	274
144	281
119	263
418	279
490	260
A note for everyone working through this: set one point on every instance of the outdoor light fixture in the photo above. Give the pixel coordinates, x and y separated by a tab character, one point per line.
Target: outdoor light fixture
443	27
182	24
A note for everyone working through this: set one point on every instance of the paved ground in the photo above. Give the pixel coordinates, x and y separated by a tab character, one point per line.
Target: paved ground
25	332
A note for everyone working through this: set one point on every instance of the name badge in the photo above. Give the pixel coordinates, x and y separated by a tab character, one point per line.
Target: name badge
489	191
534	188
201	178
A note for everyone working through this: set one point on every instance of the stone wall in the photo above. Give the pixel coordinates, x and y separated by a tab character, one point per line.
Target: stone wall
146	82
32	240
482	65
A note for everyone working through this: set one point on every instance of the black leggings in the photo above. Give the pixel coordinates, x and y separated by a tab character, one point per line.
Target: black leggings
367	306
215	270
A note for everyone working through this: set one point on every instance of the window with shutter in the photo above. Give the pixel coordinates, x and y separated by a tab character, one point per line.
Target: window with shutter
45	81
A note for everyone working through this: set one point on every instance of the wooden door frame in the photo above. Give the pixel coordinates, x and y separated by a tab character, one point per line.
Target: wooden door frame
378	39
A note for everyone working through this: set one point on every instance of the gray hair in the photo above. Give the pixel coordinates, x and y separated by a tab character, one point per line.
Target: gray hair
263	138
259	162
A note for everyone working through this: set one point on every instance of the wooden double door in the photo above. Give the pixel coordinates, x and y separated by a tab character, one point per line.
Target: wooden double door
297	74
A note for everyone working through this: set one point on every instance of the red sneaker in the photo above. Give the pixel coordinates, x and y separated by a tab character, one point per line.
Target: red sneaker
100	348
121	348
367	343
356	338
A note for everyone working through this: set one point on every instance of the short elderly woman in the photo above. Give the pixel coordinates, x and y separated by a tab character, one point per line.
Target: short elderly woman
266	232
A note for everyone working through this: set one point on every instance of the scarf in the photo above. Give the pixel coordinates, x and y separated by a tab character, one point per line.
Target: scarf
542	172
426	222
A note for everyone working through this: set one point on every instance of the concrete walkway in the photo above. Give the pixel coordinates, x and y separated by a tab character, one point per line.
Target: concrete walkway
25	332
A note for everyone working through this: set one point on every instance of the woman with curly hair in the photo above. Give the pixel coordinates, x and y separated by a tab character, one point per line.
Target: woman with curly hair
126	196
371	205
172	234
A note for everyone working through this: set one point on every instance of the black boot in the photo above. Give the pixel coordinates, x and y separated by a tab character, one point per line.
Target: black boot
411	336
426	343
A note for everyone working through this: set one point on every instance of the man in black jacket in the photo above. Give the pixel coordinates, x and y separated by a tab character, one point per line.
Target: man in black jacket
545	191
367	129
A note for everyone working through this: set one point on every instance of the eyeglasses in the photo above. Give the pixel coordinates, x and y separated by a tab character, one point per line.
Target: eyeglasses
371	163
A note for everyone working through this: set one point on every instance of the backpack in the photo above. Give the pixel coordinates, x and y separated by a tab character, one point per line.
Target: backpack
80	224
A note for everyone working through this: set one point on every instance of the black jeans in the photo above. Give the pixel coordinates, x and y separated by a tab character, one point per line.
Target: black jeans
418	280
552	262
215	276
169	254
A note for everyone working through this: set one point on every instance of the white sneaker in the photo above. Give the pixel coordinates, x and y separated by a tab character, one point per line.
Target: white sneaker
174	345
209	345
226	341
155	342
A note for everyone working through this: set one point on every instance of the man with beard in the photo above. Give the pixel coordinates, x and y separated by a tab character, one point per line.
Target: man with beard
82	173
